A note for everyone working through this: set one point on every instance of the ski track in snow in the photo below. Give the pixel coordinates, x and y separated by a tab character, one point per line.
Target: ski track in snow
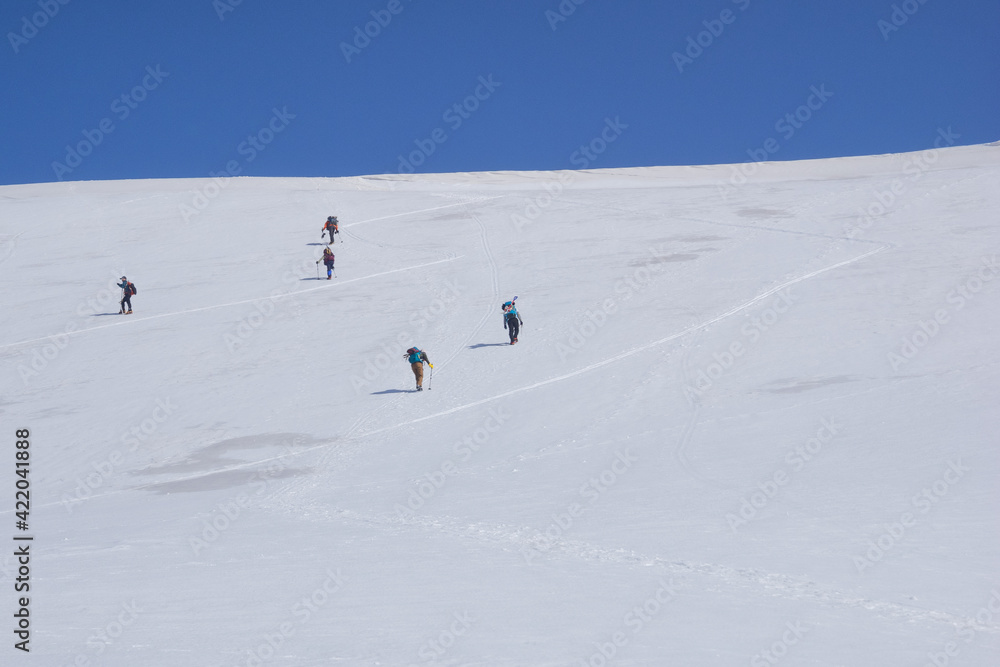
757	582
337	451
464	202
331	452
633	351
602	554
330	497
494	285
684	444
337	284
494	281
629	353
681	451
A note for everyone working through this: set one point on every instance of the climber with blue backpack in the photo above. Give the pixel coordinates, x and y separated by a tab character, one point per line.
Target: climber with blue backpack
417	359
511	320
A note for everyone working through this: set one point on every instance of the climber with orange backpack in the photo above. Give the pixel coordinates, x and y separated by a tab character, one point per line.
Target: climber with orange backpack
330	228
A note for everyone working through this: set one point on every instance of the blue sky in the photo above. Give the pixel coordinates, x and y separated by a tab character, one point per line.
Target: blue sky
140	89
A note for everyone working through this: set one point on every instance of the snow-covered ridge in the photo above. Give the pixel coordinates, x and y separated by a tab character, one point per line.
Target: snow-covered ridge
748	420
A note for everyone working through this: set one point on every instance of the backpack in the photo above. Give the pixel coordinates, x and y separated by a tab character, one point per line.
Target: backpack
131	289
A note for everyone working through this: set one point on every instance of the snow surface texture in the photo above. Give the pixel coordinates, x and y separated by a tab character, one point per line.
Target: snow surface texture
745	423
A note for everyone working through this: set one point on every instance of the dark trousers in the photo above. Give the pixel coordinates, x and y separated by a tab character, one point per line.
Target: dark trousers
513	327
126	300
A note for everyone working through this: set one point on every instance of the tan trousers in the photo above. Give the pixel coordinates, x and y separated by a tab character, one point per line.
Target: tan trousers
418	371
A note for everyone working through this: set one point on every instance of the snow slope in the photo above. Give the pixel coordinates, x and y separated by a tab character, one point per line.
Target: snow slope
746	422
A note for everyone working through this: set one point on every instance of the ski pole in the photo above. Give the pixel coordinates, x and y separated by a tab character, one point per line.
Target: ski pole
317	270
334	271
430	380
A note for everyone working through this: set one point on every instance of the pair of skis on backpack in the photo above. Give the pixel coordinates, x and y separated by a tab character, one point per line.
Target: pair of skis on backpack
507	308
